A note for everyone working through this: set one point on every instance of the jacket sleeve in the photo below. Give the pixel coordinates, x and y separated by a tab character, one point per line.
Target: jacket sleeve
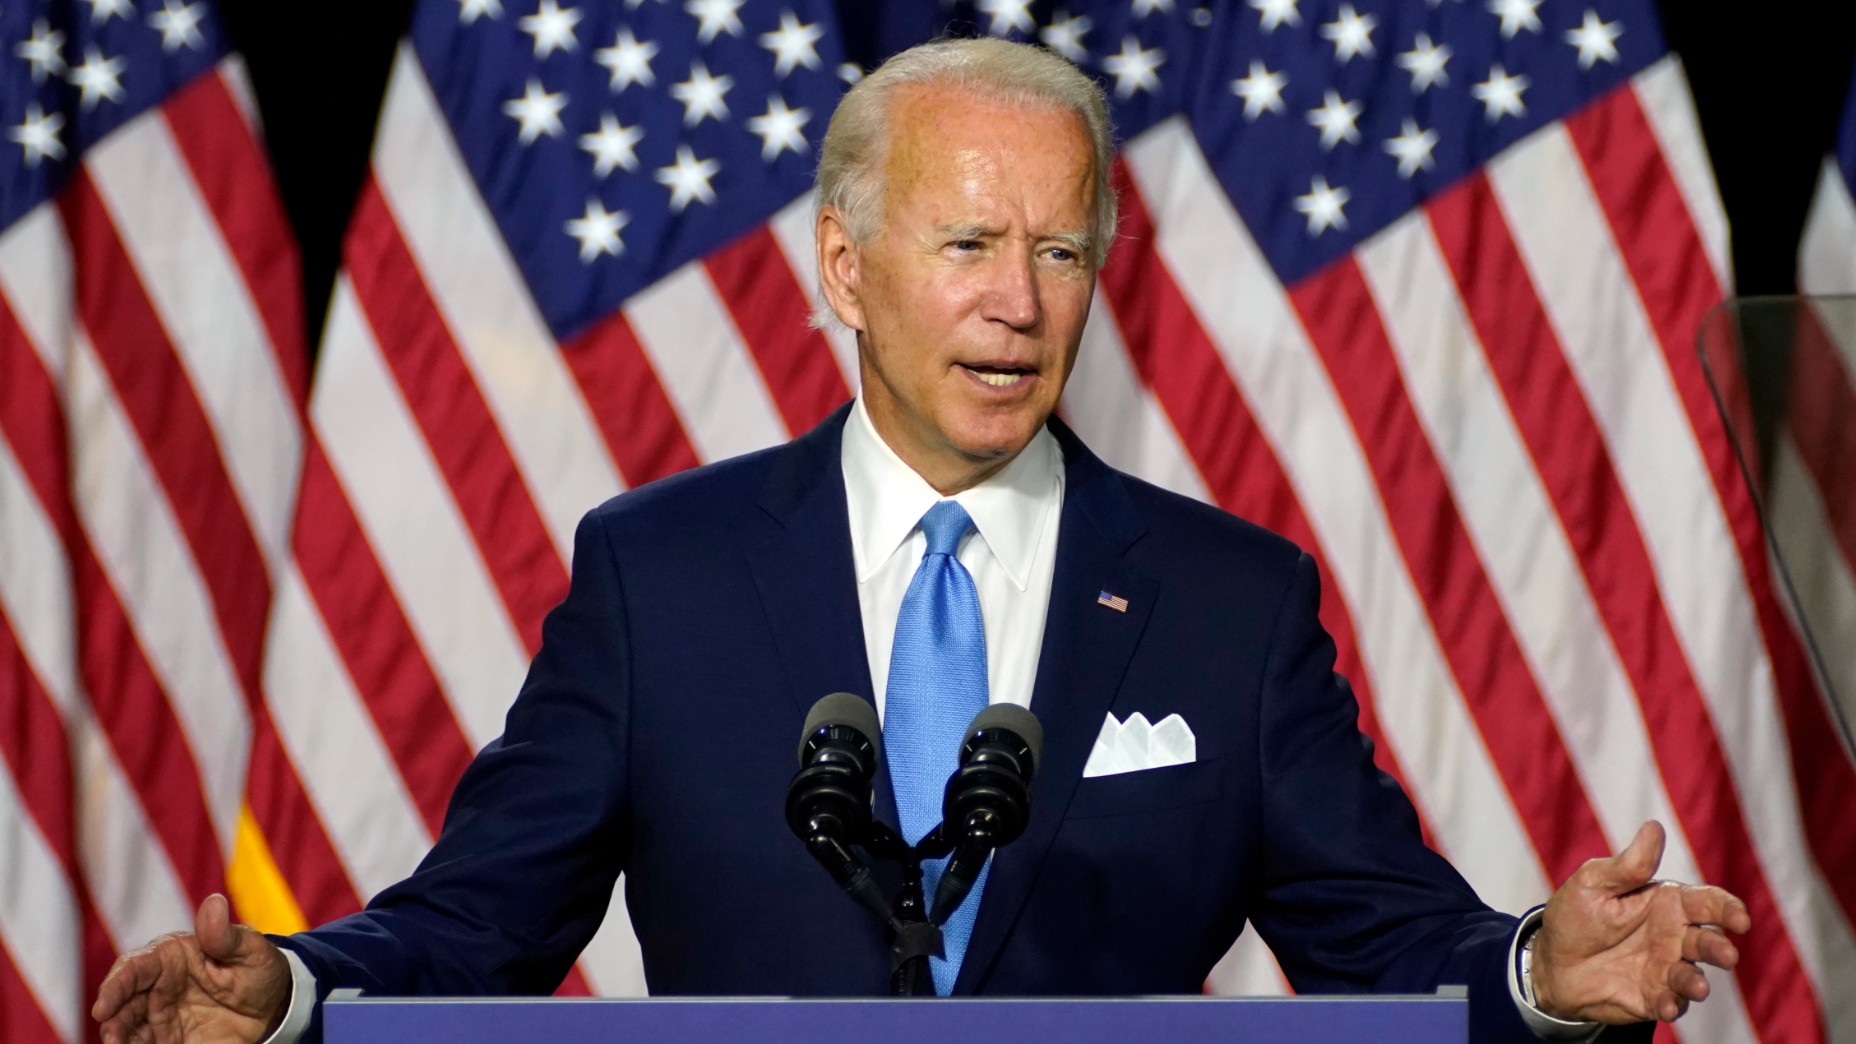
1352	898
535	835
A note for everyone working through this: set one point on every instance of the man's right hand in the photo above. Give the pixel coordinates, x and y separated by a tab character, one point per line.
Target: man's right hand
219	982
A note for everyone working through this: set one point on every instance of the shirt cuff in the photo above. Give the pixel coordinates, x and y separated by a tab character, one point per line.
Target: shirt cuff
1521	988
302	1002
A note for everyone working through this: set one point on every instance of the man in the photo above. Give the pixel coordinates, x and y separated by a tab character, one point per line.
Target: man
941	543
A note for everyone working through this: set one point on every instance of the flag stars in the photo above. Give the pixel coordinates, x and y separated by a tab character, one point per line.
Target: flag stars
794	44
43	50
1596	40
1275	13
1335	119
98	79
1425	62
715	17
537	111
1261	90
702	95
780	129
628	60
1143	8
612	146
179	25
1412	148
1351	33
1516	15
1500	94
597	230
101	11
1065	33
1134	69
37	136
688	179
471	10
1007	16
552	28
1323	206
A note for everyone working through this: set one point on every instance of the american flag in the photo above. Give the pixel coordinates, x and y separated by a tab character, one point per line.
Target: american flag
1414	284
152	382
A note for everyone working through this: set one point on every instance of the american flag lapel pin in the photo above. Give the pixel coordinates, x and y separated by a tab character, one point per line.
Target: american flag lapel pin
1113	601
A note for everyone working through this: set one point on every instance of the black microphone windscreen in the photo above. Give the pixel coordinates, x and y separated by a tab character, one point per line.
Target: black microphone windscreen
843	708
1015	719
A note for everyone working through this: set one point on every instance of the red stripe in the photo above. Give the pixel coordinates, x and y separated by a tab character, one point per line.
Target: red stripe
176	436
1820	416
124	694
1567	445
1663	253
1523	740
32	732
227	163
368	626
470	450
1177	359
298	839
574	984
770	309
34	743
640	427
21	1018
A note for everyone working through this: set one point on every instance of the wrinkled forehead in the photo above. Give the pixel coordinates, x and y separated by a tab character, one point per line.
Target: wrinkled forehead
951	138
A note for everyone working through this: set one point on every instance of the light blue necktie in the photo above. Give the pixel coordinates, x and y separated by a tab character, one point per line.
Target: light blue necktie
937	683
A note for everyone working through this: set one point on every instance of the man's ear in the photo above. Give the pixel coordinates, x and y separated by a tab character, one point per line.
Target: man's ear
839	272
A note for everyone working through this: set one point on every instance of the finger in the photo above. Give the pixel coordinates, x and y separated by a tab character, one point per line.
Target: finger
213	925
1689	982
1706	904
131	974
1670	1007
1636	865
1706	944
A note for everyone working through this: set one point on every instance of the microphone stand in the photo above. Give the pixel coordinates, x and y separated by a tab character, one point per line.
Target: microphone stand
913	937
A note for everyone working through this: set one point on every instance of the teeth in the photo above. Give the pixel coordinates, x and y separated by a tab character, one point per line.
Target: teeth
998	380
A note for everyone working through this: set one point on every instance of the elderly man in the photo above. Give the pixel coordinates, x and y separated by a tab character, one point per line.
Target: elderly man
940	543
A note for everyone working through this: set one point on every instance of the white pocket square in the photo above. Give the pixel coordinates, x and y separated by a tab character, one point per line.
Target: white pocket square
1133	745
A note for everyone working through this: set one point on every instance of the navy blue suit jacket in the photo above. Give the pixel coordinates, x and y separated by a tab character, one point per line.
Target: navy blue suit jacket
655	736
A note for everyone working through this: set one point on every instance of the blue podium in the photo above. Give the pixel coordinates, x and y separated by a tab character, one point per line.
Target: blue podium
350	1018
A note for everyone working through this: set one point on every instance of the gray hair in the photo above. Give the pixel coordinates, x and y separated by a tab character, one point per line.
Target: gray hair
850	163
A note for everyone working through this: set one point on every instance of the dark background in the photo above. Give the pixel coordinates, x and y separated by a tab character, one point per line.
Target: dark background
1769	80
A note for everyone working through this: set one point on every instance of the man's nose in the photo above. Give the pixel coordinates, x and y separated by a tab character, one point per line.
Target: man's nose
1012	297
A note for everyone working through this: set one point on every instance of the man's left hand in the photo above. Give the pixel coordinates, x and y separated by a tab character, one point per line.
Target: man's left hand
1617	946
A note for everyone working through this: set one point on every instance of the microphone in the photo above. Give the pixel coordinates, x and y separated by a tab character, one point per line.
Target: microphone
988	798
828	801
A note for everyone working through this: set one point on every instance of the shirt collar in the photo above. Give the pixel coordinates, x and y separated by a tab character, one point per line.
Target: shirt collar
886	498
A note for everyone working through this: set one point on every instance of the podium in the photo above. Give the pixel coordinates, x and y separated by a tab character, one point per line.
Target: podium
351	1018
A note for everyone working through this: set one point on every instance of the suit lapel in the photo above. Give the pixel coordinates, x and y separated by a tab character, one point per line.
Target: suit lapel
807	582
1086	651
803	571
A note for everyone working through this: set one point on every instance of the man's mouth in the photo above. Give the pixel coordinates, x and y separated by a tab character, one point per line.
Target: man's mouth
999	376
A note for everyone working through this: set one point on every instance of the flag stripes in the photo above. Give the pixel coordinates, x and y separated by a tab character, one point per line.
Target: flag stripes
454	421
753	280
149	450
1220	271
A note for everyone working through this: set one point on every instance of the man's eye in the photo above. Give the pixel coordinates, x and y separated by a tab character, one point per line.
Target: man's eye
966	244
1064	254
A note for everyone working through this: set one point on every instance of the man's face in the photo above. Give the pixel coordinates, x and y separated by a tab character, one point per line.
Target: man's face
970	300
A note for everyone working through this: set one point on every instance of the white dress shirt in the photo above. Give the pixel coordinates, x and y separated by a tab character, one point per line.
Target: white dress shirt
1011	550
